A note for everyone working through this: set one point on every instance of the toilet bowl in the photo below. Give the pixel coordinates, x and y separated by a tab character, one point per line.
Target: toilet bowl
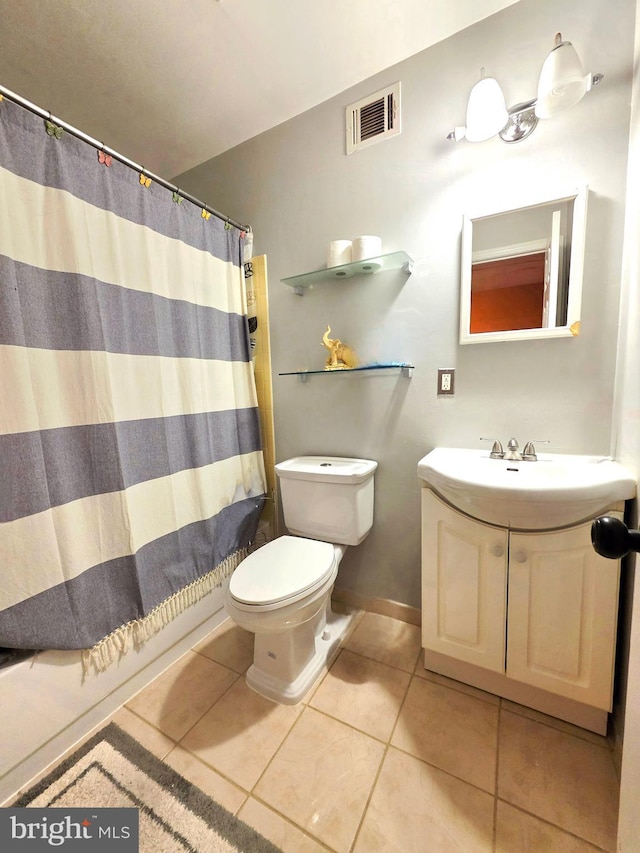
296	632
282	591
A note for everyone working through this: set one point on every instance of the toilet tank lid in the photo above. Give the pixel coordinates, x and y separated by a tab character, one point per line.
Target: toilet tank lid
341	469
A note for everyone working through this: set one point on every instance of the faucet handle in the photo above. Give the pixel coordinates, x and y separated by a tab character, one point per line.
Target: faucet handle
497	451
529	452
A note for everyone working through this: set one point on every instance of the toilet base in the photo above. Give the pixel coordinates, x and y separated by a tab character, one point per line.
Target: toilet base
263	674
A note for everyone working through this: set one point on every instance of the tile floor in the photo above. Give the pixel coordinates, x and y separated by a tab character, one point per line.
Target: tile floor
381	755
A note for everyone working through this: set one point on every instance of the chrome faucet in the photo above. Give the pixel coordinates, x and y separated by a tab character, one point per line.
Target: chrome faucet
529	453
497	451
513	452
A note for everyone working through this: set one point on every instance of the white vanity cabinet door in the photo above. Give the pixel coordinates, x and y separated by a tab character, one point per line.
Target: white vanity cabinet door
464	578
563	604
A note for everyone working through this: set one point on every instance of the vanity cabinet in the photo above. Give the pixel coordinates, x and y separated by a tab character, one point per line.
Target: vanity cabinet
464	585
563	610
527	615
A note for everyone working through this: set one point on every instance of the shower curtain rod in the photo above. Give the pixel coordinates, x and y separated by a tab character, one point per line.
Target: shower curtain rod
7	93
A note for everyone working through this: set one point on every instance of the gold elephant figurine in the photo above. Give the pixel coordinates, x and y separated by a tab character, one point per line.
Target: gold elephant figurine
341	356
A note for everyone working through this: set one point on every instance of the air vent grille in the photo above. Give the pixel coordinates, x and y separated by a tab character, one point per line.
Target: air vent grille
373	119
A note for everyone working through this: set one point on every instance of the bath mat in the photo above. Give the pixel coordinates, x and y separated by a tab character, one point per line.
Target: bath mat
112	770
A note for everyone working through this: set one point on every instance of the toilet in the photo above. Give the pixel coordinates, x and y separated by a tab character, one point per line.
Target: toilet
282	591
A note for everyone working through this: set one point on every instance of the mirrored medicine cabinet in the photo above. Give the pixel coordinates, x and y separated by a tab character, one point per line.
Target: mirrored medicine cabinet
521	274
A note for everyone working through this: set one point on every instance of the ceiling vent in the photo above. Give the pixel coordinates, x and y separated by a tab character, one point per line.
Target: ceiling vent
373	119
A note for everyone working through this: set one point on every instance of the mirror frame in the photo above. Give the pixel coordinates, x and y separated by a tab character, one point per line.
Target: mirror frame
576	268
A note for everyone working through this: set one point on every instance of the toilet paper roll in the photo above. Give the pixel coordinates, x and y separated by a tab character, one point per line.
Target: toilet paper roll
339	253
366	247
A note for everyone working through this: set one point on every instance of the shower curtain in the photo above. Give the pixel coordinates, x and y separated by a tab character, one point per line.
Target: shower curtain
132	474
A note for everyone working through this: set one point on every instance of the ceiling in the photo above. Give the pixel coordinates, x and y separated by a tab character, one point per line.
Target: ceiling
172	83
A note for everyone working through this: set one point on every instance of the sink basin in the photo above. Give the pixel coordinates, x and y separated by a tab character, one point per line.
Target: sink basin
556	491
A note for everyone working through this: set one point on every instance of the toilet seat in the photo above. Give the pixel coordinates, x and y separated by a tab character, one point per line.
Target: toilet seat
281	572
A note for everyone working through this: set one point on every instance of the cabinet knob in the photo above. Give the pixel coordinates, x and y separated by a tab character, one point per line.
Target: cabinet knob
497	550
520	557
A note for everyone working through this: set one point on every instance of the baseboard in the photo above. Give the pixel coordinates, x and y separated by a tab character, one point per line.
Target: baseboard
383	606
616	737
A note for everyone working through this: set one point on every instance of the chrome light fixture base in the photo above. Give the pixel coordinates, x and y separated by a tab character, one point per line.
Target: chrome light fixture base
561	85
522	122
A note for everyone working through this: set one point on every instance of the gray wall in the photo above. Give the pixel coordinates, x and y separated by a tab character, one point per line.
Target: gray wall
298	190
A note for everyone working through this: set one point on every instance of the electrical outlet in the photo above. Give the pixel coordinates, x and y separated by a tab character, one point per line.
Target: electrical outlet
446	381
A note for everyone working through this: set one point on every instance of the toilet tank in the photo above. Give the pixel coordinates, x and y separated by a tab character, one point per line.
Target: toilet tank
327	497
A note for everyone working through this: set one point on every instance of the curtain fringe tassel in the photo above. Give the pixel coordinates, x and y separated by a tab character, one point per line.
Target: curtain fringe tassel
138	631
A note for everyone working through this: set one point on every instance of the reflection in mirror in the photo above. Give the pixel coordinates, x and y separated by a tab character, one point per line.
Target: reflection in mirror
522	271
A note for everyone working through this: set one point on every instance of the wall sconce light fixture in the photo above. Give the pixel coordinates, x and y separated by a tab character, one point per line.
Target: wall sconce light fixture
562	83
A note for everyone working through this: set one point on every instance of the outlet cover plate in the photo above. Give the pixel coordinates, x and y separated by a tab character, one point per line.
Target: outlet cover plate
446	381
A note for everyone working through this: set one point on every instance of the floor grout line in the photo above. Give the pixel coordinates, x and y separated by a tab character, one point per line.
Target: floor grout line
554	825
382	760
557	728
377	660
292	823
496	781
369	798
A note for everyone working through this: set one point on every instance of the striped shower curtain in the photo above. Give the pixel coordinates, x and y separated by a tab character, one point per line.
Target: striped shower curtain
131	475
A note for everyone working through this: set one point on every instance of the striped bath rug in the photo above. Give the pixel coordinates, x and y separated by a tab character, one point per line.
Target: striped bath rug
112	770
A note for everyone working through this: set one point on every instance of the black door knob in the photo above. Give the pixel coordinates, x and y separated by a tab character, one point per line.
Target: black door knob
612	538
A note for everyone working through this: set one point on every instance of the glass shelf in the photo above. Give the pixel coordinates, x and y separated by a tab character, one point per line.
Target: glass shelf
406	370
381	263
